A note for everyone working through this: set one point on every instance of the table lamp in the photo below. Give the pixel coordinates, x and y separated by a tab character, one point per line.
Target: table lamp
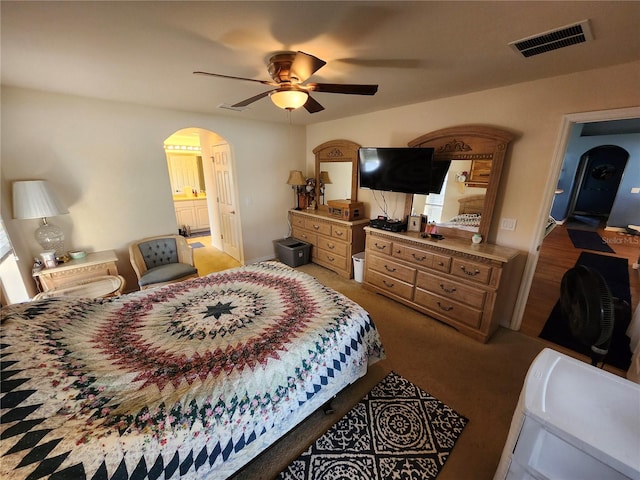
35	199
297	181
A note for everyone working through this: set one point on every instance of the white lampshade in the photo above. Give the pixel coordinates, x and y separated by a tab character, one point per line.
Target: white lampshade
289	99
35	199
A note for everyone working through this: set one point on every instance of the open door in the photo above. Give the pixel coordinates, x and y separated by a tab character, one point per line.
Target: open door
226	198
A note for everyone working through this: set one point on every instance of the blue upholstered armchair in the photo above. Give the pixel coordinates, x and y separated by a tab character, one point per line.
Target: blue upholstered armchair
162	260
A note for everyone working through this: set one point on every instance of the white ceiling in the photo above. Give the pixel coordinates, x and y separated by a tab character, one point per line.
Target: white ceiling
145	52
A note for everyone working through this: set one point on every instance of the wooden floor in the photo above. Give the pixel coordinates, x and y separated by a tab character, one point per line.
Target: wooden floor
558	255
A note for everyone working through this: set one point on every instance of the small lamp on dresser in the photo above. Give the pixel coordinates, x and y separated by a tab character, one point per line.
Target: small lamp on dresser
324	180
297	182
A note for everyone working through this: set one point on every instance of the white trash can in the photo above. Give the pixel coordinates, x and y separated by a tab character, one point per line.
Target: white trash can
358	267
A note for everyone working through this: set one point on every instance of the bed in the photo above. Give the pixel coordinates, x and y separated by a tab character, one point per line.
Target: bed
190	380
469	214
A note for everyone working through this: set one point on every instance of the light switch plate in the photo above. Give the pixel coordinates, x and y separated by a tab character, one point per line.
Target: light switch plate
508	224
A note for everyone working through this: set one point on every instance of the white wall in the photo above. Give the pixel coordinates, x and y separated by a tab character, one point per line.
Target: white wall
534	111
107	163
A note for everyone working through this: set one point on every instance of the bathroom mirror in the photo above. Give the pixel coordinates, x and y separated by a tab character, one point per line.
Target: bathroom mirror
339	158
479	151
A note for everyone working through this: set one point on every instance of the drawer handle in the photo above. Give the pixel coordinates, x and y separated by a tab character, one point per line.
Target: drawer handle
339	234
331	246
441	264
445	308
419	259
316	227
447	290
468	272
380	247
331	259
389	269
390	285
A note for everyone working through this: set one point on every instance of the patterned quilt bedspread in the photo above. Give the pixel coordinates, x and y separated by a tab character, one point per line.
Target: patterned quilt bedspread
191	380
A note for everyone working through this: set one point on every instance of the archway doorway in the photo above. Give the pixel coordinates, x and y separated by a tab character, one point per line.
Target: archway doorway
201	200
599	175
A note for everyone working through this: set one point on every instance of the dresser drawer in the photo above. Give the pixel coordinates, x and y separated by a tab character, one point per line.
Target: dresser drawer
388	267
304	235
442	263
453	290
318	227
297	221
390	284
341	232
379	245
332	259
455	311
413	255
331	245
471	271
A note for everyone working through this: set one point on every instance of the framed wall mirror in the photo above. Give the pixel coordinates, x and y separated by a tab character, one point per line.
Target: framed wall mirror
337	163
476	154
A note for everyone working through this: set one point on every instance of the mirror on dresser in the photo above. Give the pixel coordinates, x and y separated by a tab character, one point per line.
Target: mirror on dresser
458	196
339	159
479	151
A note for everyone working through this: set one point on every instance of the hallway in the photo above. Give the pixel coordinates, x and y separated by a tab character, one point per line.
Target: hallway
209	259
558	255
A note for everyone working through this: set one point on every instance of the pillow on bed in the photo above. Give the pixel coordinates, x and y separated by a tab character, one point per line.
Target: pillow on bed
468	219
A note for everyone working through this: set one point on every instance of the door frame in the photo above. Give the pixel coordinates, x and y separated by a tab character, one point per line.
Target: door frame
567	123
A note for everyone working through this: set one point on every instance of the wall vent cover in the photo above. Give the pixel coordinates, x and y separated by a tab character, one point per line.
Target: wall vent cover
554	39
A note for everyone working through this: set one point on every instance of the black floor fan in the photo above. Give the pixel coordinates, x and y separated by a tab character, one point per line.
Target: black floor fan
587	303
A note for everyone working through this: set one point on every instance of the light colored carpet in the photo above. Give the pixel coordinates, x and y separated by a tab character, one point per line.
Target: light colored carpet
480	381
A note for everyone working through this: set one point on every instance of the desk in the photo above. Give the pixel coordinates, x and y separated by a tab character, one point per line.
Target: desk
95	264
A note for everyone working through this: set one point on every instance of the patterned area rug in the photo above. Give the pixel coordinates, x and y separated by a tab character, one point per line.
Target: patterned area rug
396	431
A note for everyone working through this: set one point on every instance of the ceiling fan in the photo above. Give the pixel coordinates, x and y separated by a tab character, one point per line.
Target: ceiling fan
289	71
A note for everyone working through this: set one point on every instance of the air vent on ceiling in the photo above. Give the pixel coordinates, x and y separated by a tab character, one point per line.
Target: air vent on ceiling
231	107
552	40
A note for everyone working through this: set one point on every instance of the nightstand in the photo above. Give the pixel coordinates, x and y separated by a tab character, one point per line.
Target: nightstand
95	264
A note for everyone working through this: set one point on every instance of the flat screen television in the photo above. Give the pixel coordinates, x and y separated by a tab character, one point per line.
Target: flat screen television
401	169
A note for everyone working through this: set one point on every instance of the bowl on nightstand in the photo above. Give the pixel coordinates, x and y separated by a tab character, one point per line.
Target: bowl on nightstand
77	254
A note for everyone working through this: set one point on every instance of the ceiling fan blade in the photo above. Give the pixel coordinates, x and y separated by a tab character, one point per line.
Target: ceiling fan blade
349	89
264	82
249	101
305	65
384	62
312	106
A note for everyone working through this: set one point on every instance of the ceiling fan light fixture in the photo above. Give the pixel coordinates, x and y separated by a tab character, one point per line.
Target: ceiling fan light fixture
289	99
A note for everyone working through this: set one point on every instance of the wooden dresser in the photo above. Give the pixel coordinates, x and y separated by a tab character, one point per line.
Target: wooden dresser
333	241
452	280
